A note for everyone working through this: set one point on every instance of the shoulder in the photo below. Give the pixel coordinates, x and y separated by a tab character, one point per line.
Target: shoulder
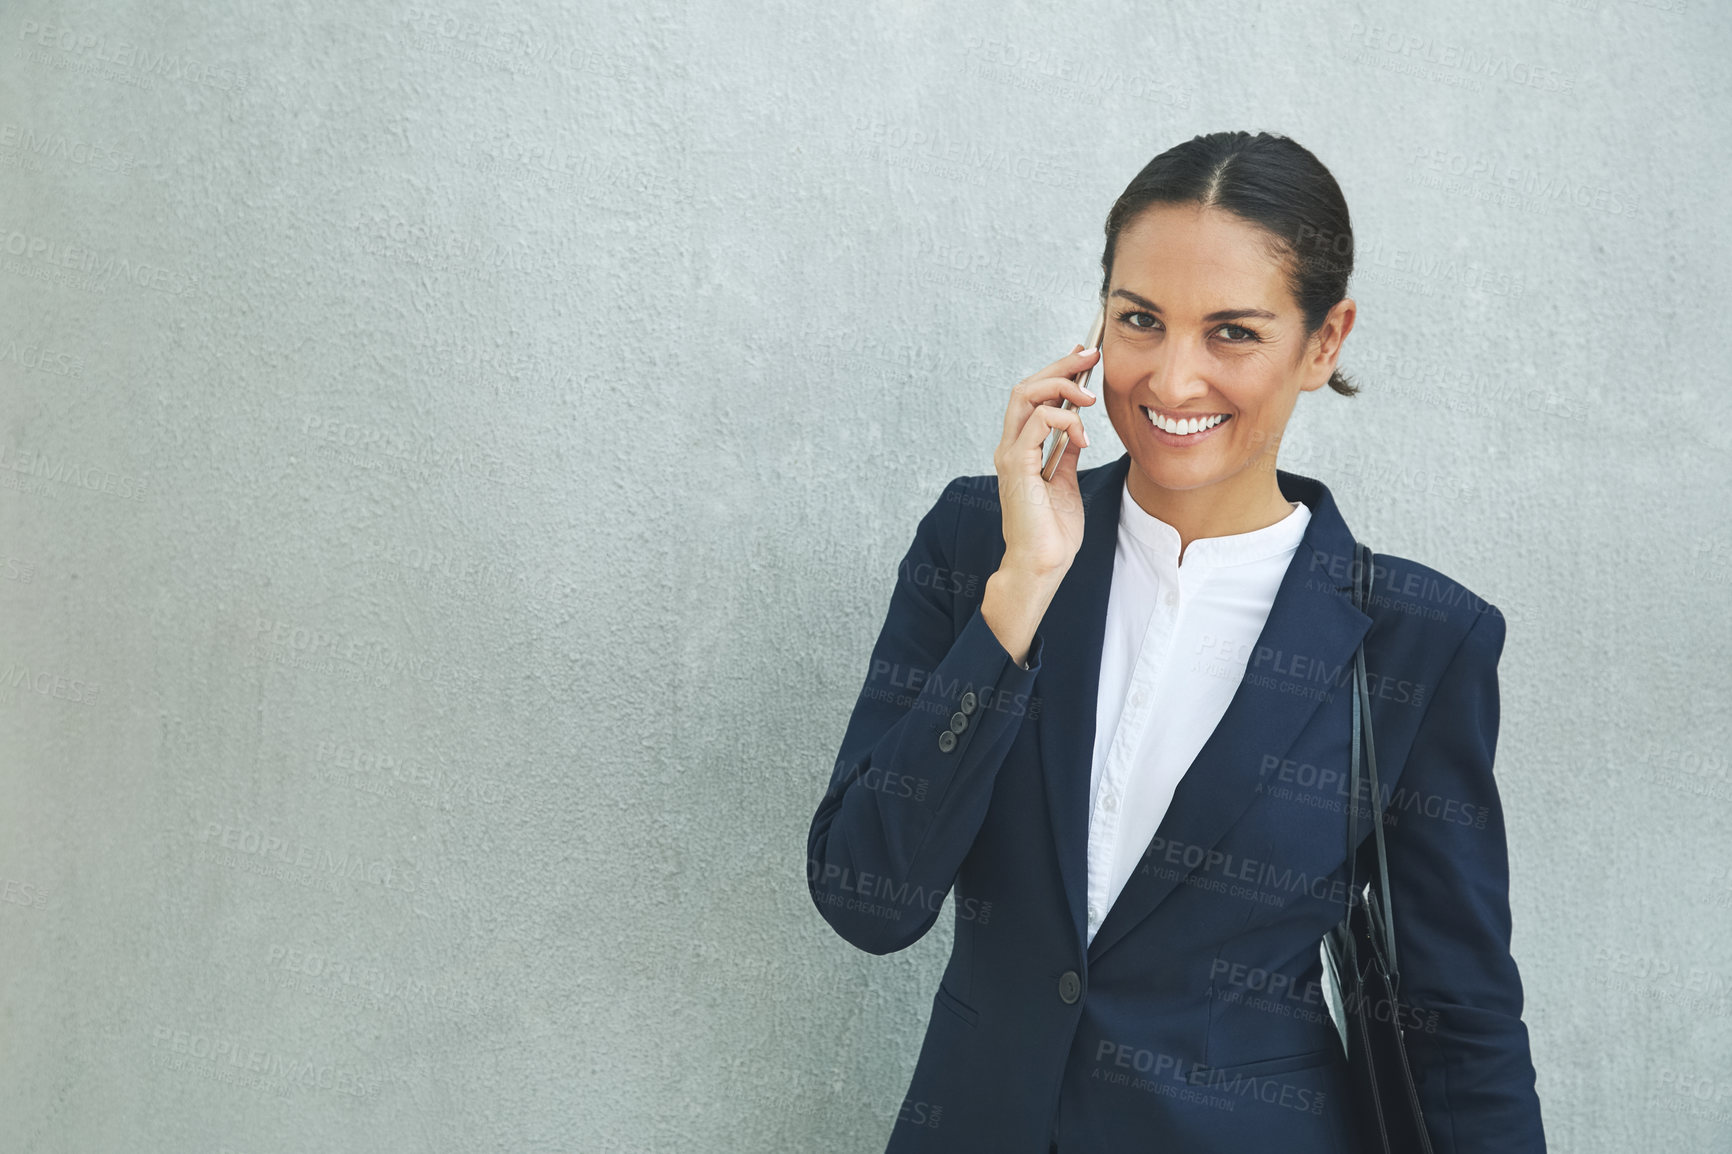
969	497
967	516
1416	606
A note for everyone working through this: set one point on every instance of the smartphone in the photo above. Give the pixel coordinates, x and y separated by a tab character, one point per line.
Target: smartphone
1060	437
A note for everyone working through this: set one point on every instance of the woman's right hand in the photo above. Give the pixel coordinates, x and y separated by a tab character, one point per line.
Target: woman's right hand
1043	520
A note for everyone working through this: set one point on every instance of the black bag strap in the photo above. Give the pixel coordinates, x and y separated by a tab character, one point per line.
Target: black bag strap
1362	583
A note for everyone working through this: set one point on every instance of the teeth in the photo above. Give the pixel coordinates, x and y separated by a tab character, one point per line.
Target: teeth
1185	427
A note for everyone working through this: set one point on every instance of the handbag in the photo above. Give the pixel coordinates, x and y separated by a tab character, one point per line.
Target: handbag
1359	954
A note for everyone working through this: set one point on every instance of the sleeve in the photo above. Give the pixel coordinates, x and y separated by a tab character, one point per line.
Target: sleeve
930	729
1449	886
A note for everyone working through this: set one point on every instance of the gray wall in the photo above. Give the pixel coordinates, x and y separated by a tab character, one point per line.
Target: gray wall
455	462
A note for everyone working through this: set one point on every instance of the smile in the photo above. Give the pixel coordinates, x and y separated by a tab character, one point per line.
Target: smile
1185	427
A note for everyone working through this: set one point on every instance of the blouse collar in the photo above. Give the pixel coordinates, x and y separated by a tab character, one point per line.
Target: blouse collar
1161	541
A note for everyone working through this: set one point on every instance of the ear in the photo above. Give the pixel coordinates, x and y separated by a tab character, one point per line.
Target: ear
1323	351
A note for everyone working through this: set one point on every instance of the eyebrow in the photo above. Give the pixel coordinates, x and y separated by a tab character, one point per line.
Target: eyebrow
1222	315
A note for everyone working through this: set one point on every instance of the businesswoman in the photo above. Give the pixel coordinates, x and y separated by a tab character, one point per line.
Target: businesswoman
1110	712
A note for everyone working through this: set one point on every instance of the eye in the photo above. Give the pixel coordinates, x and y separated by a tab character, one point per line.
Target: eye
1246	337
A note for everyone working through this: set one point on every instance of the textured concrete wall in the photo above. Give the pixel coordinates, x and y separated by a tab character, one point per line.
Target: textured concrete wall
454	462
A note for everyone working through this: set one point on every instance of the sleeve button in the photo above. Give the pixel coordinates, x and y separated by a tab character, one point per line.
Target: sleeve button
969	702
958	723
947	741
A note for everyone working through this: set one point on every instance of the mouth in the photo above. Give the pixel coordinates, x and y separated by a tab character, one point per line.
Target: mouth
1183	428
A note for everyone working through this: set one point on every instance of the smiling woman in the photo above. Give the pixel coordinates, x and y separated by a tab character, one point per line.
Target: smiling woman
1224	277
1129	847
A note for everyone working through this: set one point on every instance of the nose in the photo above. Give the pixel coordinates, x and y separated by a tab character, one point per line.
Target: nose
1177	375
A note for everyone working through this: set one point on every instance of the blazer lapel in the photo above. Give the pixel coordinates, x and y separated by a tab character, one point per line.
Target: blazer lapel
1070	669
1312	621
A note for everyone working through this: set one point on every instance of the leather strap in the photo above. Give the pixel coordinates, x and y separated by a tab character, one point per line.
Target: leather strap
1363	560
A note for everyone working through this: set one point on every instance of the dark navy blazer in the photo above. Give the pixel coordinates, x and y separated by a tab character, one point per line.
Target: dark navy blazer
1195	1021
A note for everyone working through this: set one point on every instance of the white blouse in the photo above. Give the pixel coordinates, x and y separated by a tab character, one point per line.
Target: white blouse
1180	635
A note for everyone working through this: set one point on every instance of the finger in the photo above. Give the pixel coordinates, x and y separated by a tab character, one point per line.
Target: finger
1070	364
1046	392
1042	420
1057	390
1024	408
1052	386
1068	463
1061	479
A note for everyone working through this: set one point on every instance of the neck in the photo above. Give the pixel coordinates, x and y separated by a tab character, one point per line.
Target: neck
1243	503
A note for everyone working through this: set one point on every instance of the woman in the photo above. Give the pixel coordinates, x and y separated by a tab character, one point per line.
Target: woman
1111	710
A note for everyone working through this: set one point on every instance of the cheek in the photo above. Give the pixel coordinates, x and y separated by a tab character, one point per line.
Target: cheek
1119	411
1255	392
1116	401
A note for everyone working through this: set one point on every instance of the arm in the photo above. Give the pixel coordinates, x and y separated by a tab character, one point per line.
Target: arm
904	803
1449	886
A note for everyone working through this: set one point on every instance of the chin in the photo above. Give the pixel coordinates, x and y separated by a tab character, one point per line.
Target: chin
1163	470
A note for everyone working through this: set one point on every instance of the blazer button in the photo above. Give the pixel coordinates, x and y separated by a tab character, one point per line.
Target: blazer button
958	723
1069	987
947	741
968	702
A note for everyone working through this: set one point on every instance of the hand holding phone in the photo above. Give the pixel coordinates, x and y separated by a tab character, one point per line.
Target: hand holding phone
1061	437
1042	510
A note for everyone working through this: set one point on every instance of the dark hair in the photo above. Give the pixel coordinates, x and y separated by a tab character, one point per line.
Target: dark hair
1265	180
